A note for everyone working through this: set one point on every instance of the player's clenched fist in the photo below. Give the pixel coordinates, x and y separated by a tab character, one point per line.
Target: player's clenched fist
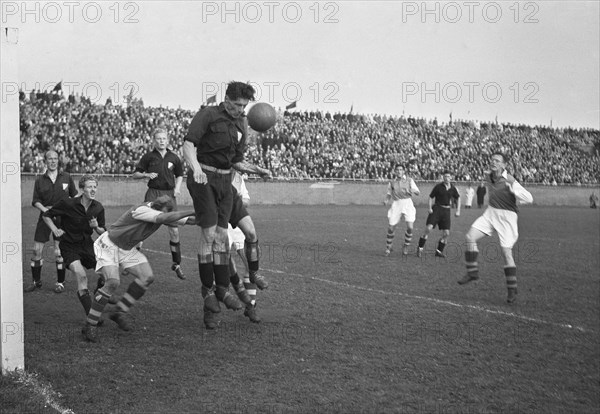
200	177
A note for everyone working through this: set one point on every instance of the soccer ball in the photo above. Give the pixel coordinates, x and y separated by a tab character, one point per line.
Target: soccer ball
262	117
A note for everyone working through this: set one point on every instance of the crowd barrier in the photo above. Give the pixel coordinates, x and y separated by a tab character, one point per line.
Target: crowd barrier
125	191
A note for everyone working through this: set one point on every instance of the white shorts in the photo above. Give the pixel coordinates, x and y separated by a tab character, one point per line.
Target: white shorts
504	222
109	254
399	208
236	238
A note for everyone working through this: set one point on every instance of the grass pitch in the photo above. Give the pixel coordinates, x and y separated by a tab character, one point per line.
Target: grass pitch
344	329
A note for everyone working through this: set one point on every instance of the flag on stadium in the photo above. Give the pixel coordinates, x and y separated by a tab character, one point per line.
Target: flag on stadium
351	108
57	87
212	99
292	105
450	116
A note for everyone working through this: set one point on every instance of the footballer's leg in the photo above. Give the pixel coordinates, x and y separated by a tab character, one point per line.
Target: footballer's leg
510	272
175	247
237	284
60	269
389	239
221	257
471	253
252	250
439	251
423	239
36	266
250	287
143	279
110	274
407	237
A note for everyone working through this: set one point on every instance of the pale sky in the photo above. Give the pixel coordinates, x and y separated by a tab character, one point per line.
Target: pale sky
525	62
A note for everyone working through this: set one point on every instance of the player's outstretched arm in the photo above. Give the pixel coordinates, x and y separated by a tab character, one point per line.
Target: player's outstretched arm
173	216
246	167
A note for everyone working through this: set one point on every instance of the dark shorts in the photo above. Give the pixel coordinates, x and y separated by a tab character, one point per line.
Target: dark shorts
152	194
212	201
43	232
238	211
440	217
84	252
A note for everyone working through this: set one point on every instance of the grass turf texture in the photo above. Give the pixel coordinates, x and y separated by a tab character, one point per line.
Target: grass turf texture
344	328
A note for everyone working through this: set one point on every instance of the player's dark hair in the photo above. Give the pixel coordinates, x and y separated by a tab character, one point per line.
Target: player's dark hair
87	177
503	155
163	201
237	90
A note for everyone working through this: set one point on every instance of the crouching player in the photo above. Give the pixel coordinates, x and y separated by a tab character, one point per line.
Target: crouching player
116	248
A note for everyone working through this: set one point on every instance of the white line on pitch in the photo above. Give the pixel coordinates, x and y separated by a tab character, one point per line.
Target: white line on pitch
39	388
440	301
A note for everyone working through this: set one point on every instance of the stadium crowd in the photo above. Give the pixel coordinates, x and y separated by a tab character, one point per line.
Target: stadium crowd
110	139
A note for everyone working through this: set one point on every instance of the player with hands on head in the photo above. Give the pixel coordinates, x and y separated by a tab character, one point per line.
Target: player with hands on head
501	216
400	203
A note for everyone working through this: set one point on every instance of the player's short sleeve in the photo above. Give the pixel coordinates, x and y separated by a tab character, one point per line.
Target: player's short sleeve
433	191
413	186
72	189
145	213
36	192
455	192
178	168
198	127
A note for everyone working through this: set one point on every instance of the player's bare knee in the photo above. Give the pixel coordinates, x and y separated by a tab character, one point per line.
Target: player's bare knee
111	285
148	279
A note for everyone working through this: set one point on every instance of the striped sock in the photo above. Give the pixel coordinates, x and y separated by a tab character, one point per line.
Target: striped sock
175	251
511	276
389	239
36	270
135	291
407	237
471	263
97	308
60	270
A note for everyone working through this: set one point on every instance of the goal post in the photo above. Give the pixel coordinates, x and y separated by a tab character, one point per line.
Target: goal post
12	354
